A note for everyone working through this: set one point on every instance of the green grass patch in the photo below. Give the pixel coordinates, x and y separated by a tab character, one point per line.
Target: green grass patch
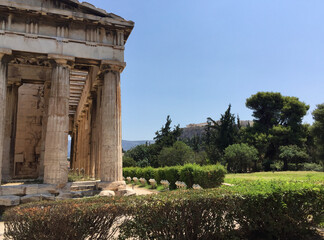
74	177
277	176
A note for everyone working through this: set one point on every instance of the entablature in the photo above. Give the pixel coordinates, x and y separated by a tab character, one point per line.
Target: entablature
34	21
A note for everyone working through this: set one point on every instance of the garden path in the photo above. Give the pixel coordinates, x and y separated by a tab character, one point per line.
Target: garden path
141	191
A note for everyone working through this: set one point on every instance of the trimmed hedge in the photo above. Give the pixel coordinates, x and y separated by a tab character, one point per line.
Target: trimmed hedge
283	211
206	176
280	212
65	220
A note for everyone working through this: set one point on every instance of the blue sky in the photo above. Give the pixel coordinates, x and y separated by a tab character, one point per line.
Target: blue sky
190	58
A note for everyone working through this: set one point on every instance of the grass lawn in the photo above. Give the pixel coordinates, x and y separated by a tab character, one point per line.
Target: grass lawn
277	176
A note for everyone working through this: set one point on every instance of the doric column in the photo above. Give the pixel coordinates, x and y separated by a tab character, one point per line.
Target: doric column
3	99
47	89
98	132
93	138
56	143
10	131
111	135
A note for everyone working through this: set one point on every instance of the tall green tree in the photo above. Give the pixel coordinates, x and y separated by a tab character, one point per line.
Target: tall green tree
166	137
279	120
261	141
266	107
226	130
220	134
211	148
318	131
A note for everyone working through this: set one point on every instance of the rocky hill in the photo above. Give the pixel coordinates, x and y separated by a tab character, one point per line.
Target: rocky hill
192	130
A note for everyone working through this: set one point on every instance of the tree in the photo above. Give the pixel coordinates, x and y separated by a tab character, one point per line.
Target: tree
196	143
266	108
128	162
178	154
227	129
167	137
261	141
280	119
292	112
318	131
292	154
220	134
211	148
240	157
138	153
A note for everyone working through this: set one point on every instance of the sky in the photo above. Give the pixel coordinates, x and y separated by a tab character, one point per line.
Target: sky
191	58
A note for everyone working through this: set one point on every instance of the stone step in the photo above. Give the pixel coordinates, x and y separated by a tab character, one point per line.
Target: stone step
84	185
27	189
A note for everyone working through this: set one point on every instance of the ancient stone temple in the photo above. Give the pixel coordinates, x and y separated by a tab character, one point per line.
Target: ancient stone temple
60	69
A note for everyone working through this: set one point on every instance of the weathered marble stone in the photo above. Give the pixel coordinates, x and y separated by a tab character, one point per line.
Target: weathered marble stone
47	188
47	197
77	194
31	189
30	198
125	192
66	188
13	190
107	193
90	193
9	200
64	195
114	186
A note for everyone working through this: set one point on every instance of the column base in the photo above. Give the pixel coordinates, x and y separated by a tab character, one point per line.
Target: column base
113	186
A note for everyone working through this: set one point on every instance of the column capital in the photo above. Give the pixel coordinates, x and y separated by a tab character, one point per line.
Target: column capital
111	65
5	51
62	59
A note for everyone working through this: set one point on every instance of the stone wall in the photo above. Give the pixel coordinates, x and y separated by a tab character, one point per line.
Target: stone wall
29	131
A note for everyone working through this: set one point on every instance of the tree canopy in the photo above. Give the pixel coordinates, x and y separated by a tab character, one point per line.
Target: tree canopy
240	157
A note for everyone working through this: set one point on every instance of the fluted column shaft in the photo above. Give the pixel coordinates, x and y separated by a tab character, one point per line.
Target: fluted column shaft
55	158
3	98
10	132
111	148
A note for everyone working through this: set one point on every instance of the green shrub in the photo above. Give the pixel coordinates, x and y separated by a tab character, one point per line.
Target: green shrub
248	211
206	176
273	213
313	167
240	157
139	172
186	174
178	154
159	175
148	173
128	162
67	220
172	175
209	176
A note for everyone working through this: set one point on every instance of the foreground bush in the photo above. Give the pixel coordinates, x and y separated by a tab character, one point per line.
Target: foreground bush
282	211
68	220
209	176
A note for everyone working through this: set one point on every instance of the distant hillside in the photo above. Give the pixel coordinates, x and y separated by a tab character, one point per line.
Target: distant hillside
192	130
126	144
130	144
